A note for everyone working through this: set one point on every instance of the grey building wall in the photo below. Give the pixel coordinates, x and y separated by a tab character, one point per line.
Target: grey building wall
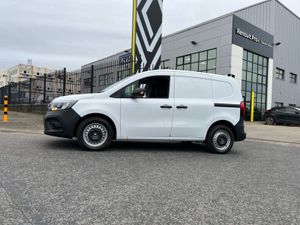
279	21
260	15
270	15
104	67
287	55
213	34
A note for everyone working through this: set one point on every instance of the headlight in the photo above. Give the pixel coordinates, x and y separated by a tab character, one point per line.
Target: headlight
60	105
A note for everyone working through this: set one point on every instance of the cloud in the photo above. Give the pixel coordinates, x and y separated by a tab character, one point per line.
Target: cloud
45	30
68	33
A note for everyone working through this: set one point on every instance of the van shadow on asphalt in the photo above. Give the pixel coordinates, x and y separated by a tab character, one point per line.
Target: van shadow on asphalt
72	145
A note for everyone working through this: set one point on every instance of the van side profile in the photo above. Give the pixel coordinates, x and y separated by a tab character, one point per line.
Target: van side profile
156	105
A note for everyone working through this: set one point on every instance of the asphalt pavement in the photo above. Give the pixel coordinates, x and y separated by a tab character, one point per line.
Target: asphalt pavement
33	123
22	122
47	180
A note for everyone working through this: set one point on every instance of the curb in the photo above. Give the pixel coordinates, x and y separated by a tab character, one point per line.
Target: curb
274	141
20	131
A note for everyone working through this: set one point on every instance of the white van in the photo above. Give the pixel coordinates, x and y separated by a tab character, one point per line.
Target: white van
167	105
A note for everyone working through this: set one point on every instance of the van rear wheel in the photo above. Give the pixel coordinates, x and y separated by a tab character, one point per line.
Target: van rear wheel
220	139
94	134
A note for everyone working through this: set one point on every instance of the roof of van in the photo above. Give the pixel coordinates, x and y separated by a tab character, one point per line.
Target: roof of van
189	73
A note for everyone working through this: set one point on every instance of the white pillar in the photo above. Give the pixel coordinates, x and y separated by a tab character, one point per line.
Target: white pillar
236	66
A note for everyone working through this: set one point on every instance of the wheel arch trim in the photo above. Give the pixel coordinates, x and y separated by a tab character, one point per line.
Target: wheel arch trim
224	123
100	115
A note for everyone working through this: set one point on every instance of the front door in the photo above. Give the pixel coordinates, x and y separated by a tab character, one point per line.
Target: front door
149	116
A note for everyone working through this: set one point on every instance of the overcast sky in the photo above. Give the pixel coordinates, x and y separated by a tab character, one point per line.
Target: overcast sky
71	33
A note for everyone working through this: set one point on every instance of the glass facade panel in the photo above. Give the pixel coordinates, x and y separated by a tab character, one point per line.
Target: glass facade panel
260	70
244	55
255	58
164	64
248	86
279	74
202	66
260	60
265	62
254	78
187	59
204	61
195	57
293	78
180	67
179	61
249	76
244	74
244	64
254	68
203	56
187	67
265	71
195	67
212	54
250	57
259	79
211	64
249	66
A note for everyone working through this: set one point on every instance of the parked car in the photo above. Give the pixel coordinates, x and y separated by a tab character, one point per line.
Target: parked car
155	105
282	115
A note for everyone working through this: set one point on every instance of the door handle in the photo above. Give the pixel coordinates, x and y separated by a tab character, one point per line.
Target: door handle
166	107
181	107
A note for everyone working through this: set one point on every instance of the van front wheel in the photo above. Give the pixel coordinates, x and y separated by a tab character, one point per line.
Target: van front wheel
220	139
94	134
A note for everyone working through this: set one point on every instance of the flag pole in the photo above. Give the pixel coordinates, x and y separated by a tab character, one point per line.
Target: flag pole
133	37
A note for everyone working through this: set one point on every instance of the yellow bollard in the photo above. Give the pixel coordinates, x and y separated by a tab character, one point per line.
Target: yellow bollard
252	107
5	117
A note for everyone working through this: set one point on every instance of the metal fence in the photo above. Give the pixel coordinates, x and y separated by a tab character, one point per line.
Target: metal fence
96	77
92	78
42	88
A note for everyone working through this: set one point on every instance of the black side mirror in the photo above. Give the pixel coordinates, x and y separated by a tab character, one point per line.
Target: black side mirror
138	93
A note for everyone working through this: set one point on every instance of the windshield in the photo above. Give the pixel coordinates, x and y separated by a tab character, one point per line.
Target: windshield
114	85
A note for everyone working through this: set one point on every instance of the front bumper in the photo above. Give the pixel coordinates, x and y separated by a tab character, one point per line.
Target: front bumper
61	123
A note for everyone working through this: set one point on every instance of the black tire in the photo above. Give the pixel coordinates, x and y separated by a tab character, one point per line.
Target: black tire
94	133
270	120
220	139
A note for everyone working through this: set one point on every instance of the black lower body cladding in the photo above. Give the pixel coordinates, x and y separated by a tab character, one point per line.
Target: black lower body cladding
61	123
239	130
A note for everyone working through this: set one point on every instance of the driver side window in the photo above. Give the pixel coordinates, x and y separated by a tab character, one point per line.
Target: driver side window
155	87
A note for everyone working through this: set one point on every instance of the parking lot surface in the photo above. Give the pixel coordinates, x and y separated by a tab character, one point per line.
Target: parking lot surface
33	123
46	180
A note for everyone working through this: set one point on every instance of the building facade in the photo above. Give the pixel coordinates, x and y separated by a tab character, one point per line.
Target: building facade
259	45
3	80
23	72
